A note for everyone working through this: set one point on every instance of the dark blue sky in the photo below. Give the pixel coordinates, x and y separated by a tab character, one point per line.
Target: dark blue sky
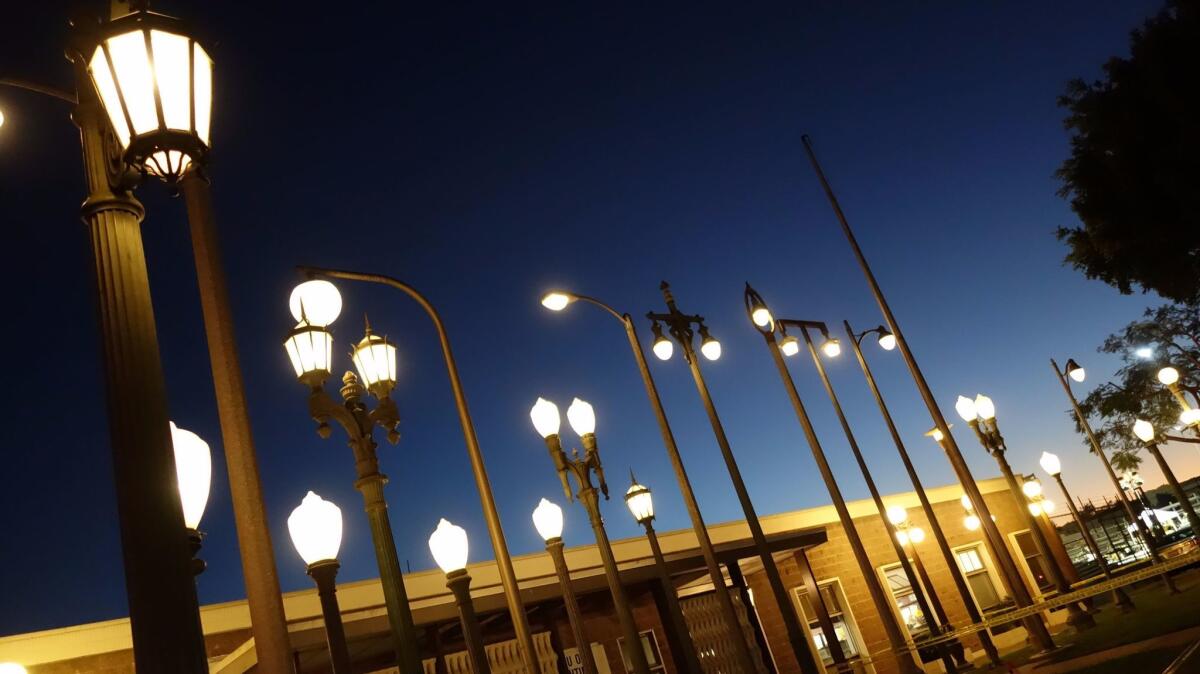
485	155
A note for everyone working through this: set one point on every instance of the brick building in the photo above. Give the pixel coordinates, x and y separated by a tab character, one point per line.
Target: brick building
105	647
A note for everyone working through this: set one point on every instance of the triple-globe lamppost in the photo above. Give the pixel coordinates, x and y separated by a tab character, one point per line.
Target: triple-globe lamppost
582	417
548	520
781	344
448	543
316	529
559	300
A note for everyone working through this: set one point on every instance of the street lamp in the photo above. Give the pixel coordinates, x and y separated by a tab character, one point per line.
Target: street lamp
831	348
582	418
663	348
316	529
309	347
1137	522
548	520
1188	416
641	506
193	469
1053	467
683	328
1038	504
980	415
448	543
1145	432
887	341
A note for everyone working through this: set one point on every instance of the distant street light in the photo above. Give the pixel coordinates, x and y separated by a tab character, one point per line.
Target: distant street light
1144	430
448	543
316	529
193	468
548	520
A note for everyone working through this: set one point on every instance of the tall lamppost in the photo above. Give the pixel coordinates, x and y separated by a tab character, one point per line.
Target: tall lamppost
1189	416
193	468
1144	431
316	529
887	341
448	543
548	520
980	415
1053	467
558	301
768	325
582	418
1074	372
1037	629
316	305
508	577
1132	482
680	327
641	506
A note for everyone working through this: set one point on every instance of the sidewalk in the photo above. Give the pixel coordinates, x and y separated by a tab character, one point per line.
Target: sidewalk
1180	638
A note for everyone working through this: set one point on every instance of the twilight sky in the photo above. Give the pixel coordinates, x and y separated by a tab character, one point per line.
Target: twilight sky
487	155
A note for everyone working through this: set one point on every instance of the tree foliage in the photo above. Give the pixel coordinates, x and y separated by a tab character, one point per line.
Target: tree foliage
1172	331
1133	175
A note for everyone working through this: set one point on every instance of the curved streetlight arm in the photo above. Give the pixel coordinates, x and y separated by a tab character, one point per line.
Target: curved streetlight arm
804	325
508	577
45	90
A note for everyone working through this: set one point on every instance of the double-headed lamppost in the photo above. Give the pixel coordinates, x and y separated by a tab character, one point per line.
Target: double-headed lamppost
448	543
1145	432
548	520
680	327
1189	417
1053	467
768	325
887	341
316	529
980	415
641	505
582	418
315	305
1075	372
193	468
560	300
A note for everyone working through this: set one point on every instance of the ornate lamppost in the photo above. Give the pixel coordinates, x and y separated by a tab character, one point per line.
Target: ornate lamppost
548	520
1145	432
582	418
1053	467
316	529
560	300
448	543
316	305
1189	417
980	415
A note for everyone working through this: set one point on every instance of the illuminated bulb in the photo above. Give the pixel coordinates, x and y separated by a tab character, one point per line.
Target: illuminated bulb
971	522
582	417
1074	371
1144	430
966	408
1	124
1048	506
544	415
761	317
11	667
916	535
790	346
1168	376
556	301
831	347
966	502
320	300
1050	463
711	348
1035	509
548	519
984	407
193	469
640	502
902	537
448	543
1144	352
887	340
1190	416
897	515
316	529
1032	488
663	348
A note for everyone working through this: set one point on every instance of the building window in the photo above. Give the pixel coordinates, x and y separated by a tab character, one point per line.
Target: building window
901	587
1034	561
978	577
649	647
843	622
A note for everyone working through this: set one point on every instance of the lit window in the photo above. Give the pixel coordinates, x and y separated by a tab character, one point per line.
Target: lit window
649	647
843	625
906	600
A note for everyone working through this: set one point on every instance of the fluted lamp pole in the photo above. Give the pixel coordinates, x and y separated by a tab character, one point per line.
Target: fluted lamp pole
316	529
448	543
582	418
548	520
1053	467
641	506
193	468
1145	432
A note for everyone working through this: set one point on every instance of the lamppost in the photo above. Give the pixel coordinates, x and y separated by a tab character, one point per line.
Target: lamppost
1053	467
193	468
560	300
316	305
508	577
582	418
1144	431
887	341
548	520
1037	629
641	506
316	529
980	415
1132	482
680	327
979	517
1074	372
1189	417
768	325
448	543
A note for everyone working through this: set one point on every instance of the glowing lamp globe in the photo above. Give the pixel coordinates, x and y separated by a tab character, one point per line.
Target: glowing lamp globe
761	317
375	360
315	302
1048	506
897	515
711	348
155	83
545	417
789	345
640	502
1074	371
663	348
887	341
1032	488
1035	509
1168	376
831	348
11	667
556	301
971	522
582	417
1190	416
193	468
966	502
310	348
966	408
916	535
984	407
902	537
316	529
1144	430
448	543
548	520
1050	463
